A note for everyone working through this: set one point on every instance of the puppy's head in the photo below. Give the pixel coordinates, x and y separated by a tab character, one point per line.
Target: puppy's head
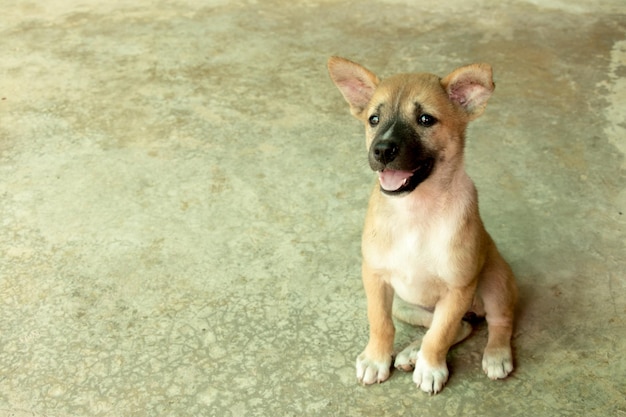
414	123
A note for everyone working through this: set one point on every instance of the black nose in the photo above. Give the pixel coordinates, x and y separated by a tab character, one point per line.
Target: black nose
385	151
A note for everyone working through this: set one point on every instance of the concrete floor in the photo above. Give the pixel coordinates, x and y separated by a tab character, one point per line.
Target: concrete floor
183	190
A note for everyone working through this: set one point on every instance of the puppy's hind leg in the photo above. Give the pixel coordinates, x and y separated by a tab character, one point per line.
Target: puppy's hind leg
411	313
418	316
499	293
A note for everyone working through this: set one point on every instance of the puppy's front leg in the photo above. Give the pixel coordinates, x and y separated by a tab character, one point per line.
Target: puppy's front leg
431	371
373	365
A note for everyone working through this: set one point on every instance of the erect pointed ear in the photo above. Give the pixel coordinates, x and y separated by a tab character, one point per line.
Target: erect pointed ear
470	87
356	83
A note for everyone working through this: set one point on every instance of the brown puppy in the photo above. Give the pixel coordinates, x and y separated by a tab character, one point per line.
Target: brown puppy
424	240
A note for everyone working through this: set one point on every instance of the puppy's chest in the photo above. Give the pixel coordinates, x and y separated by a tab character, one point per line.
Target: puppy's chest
413	258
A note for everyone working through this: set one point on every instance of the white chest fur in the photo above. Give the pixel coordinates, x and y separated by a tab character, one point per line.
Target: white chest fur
415	247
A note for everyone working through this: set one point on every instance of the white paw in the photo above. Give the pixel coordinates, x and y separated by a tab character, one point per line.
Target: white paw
428	378
498	363
370	371
405	361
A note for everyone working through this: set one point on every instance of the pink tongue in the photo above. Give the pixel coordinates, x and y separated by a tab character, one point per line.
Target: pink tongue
391	180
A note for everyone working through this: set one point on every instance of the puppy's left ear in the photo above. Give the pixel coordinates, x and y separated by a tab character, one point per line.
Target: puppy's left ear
470	87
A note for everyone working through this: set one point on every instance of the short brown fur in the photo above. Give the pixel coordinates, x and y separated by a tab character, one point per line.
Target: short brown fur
428	245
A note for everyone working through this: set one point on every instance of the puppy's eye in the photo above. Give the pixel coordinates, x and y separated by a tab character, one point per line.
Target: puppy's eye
426	120
374	120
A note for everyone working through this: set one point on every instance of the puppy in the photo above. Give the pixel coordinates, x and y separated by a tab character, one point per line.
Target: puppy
423	240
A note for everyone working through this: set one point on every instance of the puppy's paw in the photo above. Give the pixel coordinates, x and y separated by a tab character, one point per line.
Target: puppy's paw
405	361
498	363
429	378
369	371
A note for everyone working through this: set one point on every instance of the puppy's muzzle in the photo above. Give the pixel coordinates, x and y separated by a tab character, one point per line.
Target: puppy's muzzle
399	175
385	151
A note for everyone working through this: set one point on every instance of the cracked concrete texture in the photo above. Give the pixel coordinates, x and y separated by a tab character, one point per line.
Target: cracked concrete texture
183	189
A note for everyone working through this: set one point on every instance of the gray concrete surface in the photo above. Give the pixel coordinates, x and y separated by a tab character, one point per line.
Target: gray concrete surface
182	191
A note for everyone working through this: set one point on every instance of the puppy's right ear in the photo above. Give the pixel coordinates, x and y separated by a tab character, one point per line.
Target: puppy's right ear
356	83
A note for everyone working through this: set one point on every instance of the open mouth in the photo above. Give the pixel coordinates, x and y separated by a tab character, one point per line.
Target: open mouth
395	182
